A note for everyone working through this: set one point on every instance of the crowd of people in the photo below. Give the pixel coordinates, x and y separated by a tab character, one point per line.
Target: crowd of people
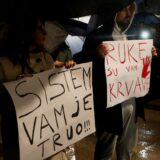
116	127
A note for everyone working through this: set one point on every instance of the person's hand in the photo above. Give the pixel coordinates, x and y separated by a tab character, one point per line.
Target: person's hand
59	64
154	51
70	63
66	64
102	50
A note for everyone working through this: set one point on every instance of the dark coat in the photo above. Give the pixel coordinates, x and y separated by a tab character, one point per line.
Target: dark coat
109	119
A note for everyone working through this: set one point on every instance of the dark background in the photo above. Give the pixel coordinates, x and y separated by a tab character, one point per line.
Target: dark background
53	9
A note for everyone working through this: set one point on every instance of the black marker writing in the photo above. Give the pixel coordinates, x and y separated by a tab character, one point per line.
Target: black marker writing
26	94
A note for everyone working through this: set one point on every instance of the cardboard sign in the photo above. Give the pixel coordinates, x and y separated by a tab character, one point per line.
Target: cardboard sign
54	109
127	67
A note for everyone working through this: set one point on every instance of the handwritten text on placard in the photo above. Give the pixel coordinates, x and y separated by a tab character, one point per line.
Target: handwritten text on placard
54	109
127	67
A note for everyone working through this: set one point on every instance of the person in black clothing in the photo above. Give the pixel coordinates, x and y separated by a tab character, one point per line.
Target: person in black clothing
115	127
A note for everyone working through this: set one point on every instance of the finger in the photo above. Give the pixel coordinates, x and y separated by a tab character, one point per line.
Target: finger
66	64
72	63
69	64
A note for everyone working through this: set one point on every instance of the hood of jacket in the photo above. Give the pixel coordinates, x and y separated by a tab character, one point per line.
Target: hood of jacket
117	32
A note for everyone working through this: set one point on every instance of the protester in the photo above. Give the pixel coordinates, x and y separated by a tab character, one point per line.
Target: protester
26	56
116	127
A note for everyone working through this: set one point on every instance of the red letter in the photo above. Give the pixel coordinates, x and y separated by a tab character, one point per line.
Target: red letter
118	89
110	49
109	73
141	50
138	84
110	91
119	54
130	54
129	89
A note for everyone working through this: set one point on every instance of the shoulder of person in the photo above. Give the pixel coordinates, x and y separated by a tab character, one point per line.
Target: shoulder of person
8	70
5	62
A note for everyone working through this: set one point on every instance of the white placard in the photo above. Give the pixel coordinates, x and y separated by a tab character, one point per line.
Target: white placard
128	68
54	109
